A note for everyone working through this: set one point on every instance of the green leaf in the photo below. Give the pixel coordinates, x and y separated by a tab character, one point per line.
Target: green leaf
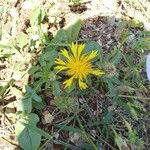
33	69
52	76
37	16
65	36
48	58
28	138
119	141
2	46
37	98
135	24
39	105
72	30
66	104
92	45
24	105
108	118
127	124
39	131
128	107
31	94
85	146
112	90
56	88
116	58
60	38
132	111
3	90
123	37
141	43
22	39
6	51
132	137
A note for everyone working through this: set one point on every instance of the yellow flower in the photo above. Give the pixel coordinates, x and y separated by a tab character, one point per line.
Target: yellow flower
77	65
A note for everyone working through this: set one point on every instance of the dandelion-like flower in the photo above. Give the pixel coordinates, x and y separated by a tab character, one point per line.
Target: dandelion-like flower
77	65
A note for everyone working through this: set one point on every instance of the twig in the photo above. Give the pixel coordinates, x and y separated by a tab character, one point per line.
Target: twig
135	97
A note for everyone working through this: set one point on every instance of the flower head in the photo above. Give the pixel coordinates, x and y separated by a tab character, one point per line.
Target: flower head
77	65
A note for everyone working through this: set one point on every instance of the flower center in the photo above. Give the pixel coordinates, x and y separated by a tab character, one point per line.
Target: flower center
80	67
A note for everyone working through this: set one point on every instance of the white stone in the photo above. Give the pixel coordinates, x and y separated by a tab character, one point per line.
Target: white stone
148	66
27	5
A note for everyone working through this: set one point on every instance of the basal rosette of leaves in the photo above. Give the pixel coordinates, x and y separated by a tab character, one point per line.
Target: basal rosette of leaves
29	136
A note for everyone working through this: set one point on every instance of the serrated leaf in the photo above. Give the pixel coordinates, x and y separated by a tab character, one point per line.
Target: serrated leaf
48	58
66	104
112	90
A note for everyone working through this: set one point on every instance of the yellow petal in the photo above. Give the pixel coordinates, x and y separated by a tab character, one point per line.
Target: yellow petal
97	72
61	68
80	49
82	85
74	49
68	82
84	58
60	61
92	55
65	53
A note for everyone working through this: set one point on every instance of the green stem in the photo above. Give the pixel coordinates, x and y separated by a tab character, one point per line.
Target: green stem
87	136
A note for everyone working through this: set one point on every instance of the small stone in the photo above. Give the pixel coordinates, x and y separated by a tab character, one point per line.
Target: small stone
27	5
130	38
48	118
17	75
